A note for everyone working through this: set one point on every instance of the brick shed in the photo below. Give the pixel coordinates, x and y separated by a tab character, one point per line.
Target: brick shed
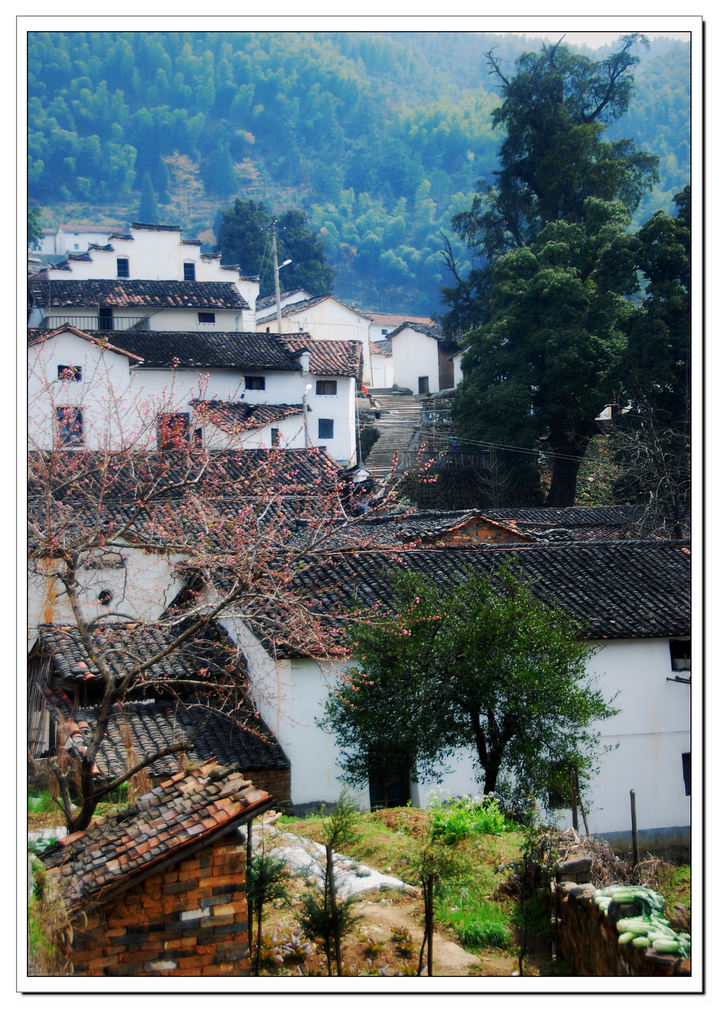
158	889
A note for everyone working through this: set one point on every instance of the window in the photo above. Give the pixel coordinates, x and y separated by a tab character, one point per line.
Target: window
188	271
326	387
69	373
274	436
325	428
104	318
680	651
69	424
173	430
423	386
123	267
206	318
254	383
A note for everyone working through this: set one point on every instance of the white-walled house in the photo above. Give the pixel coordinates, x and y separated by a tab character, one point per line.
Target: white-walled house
420	359
383	324
74	238
101	390
326	318
634	598
151	278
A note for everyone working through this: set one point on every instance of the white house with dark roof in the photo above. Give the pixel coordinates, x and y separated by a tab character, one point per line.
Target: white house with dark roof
324	318
101	389
420	359
634	601
150	277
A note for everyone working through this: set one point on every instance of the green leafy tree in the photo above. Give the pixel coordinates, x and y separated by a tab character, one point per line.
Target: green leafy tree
34	228
541	369
480	662
244	236
328	918
266	880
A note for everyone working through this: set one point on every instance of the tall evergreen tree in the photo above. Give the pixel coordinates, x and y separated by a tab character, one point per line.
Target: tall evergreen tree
546	296
149	210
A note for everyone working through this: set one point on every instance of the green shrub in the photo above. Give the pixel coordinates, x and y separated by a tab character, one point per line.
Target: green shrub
477	923
461	817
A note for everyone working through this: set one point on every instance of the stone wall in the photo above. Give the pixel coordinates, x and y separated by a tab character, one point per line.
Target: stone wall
188	919
589	941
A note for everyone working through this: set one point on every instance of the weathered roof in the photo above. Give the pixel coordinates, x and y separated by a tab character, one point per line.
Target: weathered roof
209	655
234	417
130	293
587	523
398	319
176	818
616	589
237	350
300	307
83	478
328	358
36	335
430	329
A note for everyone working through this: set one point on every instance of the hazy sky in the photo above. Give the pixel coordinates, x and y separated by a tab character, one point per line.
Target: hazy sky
597	39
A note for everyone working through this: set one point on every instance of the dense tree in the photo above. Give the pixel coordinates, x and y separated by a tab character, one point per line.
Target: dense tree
478	662
540	371
34	228
546	294
554	113
244	236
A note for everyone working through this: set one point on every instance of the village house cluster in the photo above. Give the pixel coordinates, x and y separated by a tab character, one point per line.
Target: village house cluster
141	345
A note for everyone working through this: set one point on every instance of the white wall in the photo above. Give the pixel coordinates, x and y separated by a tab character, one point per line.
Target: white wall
141	589
414	355
120	404
651	730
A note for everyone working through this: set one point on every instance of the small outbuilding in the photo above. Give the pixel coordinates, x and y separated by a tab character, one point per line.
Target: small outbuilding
158	889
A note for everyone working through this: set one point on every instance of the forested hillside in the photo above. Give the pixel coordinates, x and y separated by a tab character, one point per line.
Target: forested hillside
379	138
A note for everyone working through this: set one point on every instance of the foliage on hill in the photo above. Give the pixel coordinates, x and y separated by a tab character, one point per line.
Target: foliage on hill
379	137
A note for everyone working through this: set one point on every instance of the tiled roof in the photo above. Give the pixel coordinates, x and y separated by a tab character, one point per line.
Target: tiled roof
36	335
236	350
179	816
300	307
235	417
620	589
398	319
208	657
431	330
329	358
586	523
129	293
82	477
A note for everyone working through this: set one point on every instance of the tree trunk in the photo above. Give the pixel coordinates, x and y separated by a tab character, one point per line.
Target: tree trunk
568	453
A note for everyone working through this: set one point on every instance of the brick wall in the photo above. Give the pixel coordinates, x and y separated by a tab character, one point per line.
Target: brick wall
190	919
588	940
276	782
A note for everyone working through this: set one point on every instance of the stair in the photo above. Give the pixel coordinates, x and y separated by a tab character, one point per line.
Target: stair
398	425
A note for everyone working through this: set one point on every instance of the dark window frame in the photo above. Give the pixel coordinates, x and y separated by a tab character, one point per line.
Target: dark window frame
680	653
255	384
325	429
326	387
188	272
123	267
70	431
69	373
205	318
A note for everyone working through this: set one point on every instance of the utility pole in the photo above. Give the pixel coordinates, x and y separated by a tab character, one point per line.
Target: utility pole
277	276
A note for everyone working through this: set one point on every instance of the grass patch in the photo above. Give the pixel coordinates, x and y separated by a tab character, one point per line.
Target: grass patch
674	883
462	817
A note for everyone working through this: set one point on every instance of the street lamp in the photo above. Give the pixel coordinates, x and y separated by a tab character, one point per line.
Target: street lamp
277	277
